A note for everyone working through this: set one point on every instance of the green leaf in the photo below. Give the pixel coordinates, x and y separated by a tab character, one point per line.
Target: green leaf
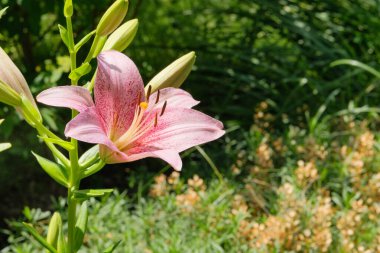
357	64
39	238
92	169
88	193
2	11
80	227
56	171
83	41
55	227
5	146
81	71
64	35
89	155
64	144
112	248
27	213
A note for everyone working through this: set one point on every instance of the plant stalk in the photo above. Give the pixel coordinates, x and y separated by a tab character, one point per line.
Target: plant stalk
74	181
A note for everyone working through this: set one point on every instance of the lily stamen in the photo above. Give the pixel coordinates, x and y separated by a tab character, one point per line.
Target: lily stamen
163	108
158	96
149	92
155	120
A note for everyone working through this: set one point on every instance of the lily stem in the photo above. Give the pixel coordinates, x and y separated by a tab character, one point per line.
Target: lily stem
74	180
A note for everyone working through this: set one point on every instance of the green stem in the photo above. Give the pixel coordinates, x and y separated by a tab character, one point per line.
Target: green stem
74	180
93	48
92	83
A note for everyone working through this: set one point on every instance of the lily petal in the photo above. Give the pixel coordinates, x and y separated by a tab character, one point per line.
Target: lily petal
118	89
177	129
174	97
73	97
88	127
168	155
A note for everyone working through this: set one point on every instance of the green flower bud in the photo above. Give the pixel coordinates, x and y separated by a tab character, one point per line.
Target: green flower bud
122	36
11	78
112	18
55	226
174	74
68	8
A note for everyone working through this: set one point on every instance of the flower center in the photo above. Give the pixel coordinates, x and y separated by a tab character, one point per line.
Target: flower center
141	123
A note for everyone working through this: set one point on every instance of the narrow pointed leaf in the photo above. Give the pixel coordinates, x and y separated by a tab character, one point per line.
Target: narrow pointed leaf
5	146
2	11
112	248
38	237
357	64
88	193
80	226
56	171
64	144
83	41
64	35
93	169
89	155
81	71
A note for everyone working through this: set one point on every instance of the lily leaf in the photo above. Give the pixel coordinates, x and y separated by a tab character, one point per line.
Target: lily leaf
83	41
2	11
112	248
80	226
56	171
88	193
89	155
39	238
64	35
77	73
64	144
5	146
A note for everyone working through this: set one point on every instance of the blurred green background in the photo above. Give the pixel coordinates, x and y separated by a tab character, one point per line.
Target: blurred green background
248	51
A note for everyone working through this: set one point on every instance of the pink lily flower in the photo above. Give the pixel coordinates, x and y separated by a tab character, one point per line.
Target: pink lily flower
127	124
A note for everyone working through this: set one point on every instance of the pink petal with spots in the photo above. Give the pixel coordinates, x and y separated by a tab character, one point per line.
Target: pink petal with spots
88	127
73	97
178	129
174	97
118	87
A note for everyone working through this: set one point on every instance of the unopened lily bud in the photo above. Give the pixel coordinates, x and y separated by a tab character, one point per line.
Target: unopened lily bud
68	8
174	74
112	18
55	226
11	78
122	36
